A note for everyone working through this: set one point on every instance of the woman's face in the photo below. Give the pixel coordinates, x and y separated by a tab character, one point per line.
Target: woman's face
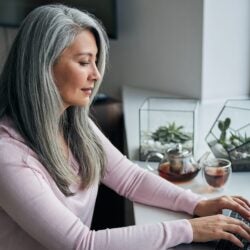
75	71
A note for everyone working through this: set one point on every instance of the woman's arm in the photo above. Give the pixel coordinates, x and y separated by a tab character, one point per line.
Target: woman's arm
142	186
27	198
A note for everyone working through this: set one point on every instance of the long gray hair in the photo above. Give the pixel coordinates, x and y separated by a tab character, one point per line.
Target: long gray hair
29	96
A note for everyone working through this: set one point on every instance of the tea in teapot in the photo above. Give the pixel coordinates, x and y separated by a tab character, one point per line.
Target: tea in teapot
177	164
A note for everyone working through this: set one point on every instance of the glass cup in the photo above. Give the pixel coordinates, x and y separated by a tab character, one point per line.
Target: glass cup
217	173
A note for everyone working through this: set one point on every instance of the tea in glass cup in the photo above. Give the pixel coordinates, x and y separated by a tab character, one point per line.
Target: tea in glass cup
217	174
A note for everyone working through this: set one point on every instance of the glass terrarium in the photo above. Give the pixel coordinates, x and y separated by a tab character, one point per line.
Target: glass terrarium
229	136
166	122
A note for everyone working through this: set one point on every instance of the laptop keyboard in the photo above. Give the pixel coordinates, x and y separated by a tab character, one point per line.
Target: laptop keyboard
228	245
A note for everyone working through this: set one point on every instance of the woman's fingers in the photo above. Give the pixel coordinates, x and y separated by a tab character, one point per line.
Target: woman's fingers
235	203
215	206
219	227
247	202
236	228
232	238
243	202
243	209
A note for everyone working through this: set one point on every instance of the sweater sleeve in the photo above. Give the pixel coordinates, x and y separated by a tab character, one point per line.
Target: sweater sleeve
27	198
140	185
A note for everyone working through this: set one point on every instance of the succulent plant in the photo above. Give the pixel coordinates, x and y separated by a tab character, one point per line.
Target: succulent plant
170	134
238	139
235	139
223	127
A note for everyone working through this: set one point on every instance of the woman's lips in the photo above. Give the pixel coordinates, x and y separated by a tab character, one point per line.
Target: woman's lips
87	91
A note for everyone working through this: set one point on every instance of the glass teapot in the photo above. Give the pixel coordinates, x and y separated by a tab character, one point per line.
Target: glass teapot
177	164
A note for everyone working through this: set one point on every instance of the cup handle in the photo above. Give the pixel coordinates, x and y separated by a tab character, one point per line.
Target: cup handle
150	156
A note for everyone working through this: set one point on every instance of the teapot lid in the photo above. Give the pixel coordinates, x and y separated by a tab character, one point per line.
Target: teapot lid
178	151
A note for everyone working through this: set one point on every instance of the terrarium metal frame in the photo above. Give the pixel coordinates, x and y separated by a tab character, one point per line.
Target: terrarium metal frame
229	139
165	135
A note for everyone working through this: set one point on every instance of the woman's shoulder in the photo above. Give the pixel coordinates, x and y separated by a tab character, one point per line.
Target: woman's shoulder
12	145
14	152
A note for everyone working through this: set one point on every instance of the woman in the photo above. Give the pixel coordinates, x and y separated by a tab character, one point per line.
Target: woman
52	156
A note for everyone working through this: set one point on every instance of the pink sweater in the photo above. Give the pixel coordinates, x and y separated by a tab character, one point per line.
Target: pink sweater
35	215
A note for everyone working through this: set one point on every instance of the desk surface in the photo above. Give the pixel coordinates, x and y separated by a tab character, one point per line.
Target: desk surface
239	184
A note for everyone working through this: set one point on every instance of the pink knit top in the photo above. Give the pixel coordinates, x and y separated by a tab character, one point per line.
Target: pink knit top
35	214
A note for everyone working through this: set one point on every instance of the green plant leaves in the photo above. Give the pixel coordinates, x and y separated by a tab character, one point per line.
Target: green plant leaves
170	134
235	139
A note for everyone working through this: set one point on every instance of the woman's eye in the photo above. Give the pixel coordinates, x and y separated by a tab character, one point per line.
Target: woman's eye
83	63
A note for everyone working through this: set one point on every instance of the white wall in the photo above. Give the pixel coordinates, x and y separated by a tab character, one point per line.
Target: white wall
226	42
191	48
159	47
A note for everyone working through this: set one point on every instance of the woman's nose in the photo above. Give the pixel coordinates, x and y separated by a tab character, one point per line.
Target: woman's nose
95	74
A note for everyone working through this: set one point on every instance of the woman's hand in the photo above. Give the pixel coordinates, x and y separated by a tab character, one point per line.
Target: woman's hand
215	206
219	227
